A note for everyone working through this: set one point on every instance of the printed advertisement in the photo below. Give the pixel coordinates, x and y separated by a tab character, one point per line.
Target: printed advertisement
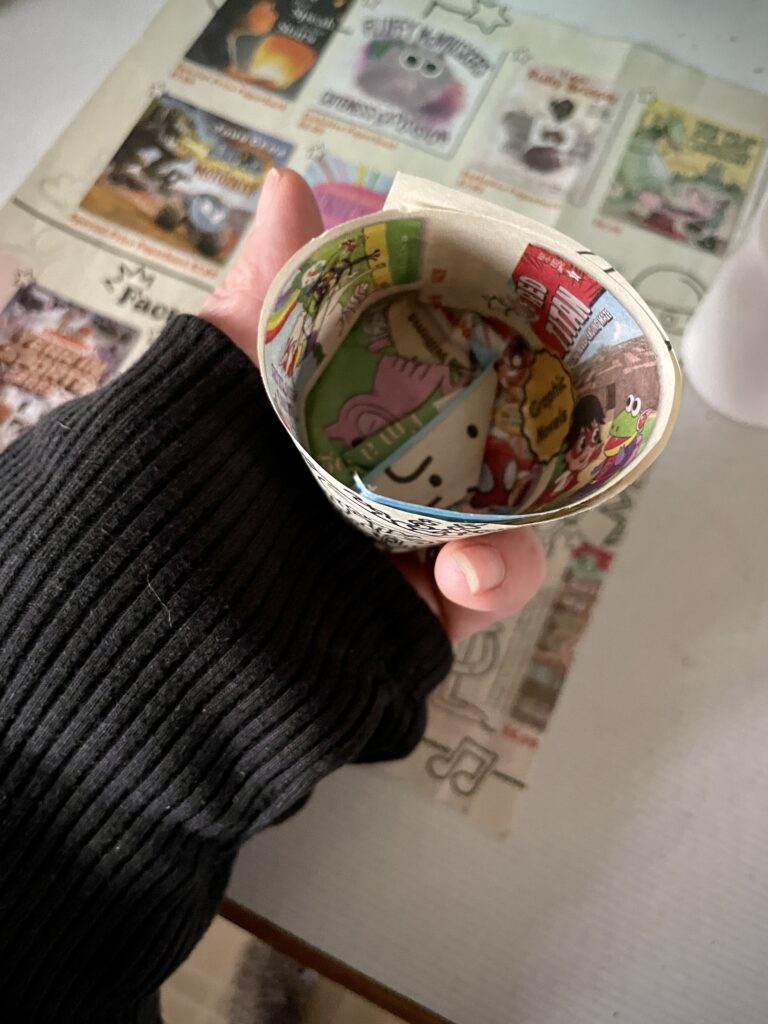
406	79
270	44
651	164
684	177
488	718
187	178
546	131
52	349
345	190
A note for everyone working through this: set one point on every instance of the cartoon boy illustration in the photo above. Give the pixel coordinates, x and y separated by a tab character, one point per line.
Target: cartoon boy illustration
509	466
301	332
513	368
583	444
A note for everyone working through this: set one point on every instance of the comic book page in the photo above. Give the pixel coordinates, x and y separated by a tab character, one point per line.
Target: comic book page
142	204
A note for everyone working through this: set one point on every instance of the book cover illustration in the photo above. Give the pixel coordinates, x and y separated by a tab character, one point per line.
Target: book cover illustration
407	80
345	190
546	130
186	177
684	176
53	349
270	44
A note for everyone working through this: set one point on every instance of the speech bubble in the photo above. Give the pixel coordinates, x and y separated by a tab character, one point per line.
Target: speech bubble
548	405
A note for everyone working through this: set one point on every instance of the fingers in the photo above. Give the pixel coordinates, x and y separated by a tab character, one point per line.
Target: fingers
287	217
480	581
475	583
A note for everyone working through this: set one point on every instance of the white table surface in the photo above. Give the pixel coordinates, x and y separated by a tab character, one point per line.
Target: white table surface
634	887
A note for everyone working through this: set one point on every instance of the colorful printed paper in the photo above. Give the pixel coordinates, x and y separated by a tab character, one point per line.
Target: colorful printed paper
399	76
546	131
52	349
186	178
270	44
684	176
653	165
389	394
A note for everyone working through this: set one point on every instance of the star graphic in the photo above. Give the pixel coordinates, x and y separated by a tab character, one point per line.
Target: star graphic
24	276
522	55
646	95
156	90
316	151
488	15
467	8
126	272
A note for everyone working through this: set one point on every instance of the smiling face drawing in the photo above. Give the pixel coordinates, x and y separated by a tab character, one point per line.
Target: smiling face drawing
442	465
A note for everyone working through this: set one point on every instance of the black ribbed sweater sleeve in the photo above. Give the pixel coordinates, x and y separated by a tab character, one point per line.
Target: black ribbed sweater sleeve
190	638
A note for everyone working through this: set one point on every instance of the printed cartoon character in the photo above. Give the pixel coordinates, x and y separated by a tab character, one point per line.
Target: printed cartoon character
691	210
509	467
547	143
411	78
399	387
332	273
643	166
296	345
628	433
317	284
507	473
514	367
439	467
583	444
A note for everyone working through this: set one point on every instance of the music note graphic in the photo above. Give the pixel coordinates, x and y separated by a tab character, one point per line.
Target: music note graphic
464	781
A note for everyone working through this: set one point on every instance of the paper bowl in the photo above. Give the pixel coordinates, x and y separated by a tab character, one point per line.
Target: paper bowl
586	385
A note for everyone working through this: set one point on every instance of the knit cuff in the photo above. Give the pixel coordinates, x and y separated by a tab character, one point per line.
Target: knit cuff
190	638
202	602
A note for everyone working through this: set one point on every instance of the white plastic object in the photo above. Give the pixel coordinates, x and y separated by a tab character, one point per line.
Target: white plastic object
725	345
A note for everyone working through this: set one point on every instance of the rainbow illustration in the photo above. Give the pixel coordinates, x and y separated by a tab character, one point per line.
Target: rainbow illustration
344	190
284	306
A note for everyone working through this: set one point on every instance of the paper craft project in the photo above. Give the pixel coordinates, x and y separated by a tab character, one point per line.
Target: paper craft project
451	368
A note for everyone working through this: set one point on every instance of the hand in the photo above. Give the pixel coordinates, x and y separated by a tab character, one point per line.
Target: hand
472	583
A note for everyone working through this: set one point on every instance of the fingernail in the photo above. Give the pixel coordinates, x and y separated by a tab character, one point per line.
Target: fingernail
272	178
266	195
483	570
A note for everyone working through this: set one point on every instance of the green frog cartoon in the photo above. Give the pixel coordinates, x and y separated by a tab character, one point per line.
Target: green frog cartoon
627	436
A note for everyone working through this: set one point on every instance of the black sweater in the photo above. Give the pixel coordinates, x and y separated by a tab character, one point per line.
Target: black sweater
190	639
